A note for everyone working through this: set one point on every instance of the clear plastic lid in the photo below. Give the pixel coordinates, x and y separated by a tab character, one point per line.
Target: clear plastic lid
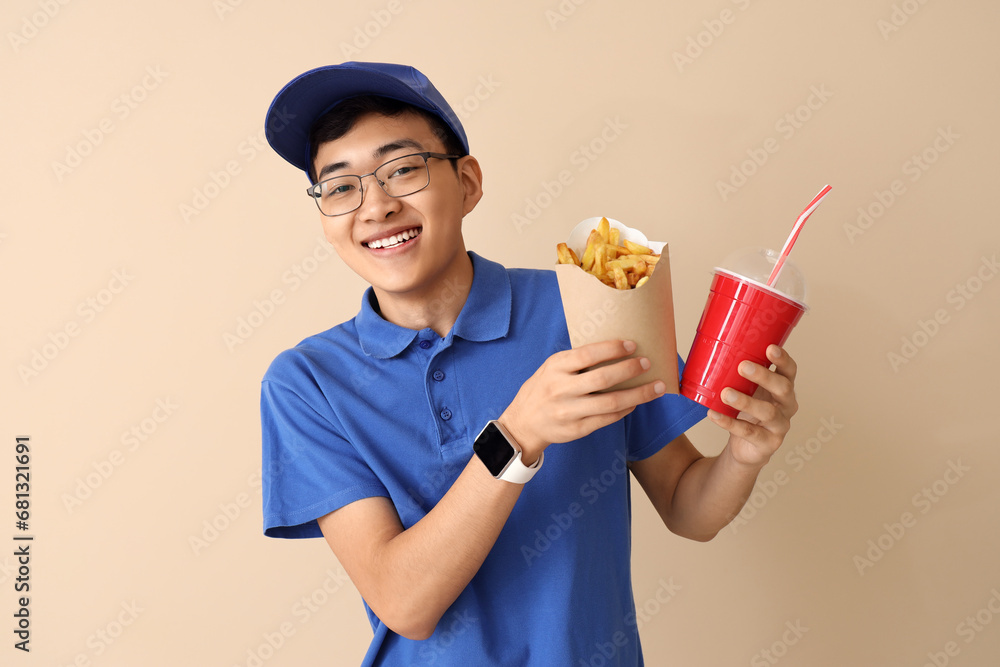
757	263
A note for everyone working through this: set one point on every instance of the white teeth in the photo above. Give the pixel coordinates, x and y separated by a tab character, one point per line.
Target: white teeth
394	240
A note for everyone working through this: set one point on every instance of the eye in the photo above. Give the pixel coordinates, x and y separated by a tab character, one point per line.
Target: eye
334	189
403	168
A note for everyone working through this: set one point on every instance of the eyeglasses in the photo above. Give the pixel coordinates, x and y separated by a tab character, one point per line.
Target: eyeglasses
398	177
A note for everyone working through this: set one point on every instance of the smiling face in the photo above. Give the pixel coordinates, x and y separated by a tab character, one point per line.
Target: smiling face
409	249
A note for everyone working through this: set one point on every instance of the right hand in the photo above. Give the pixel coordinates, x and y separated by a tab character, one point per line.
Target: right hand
558	403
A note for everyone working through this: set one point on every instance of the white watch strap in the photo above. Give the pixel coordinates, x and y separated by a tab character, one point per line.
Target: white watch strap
517	472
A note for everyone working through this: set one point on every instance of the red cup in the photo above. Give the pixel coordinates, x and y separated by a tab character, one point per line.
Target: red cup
741	318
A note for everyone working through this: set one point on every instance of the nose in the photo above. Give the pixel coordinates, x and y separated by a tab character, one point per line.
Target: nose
375	203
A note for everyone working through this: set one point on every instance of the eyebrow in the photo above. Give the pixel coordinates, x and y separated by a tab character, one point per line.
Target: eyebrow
377	154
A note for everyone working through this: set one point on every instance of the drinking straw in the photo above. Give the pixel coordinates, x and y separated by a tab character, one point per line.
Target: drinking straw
796	228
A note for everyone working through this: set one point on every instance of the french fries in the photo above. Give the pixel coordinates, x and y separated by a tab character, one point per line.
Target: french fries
622	266
566	255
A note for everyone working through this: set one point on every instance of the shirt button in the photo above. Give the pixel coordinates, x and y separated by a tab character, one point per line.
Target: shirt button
446	414
438	375
424	344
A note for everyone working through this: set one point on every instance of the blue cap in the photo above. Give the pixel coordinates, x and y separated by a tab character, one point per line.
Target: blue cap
308	96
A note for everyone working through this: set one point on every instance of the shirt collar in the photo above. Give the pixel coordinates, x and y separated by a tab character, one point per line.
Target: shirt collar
485	315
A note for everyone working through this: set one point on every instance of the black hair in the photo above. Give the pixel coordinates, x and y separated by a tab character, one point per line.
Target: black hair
339	120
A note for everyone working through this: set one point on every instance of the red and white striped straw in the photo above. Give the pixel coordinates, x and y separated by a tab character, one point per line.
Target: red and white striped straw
787	248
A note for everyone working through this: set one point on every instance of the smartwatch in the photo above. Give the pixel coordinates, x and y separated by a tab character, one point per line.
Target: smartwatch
502	455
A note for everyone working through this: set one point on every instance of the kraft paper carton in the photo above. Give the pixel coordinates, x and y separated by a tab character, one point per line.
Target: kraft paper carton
595	312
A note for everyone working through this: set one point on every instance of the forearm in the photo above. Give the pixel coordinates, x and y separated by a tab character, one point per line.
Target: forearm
410	577
422	570
709	494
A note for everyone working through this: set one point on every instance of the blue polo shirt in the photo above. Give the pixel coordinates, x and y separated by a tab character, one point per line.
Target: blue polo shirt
369	408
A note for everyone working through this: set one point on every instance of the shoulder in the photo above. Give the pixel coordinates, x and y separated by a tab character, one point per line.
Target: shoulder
521	276
532	276
314	354
530	293
540	284
536	305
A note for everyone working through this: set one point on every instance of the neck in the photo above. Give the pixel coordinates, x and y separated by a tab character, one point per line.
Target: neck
434	308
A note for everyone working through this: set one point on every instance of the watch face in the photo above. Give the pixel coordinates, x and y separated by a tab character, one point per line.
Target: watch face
493	449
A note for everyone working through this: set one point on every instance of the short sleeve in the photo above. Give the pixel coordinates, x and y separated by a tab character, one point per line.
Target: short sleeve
308	469
651	426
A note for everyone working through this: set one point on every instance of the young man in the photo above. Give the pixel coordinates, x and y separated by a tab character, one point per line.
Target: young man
407	436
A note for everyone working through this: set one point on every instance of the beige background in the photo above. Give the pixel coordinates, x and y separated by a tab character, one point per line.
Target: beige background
534	82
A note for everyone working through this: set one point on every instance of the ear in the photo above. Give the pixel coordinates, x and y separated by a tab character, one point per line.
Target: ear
470	177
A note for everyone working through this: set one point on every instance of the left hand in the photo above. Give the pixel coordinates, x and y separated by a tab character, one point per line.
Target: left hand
767	415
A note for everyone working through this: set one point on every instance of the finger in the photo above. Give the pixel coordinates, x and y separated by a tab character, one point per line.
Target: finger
778	387
604	377
758	434
738	427
783	362
767	414
611	402
594	422
585	356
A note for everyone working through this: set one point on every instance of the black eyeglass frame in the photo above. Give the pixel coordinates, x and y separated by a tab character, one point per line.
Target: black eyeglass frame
314	191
